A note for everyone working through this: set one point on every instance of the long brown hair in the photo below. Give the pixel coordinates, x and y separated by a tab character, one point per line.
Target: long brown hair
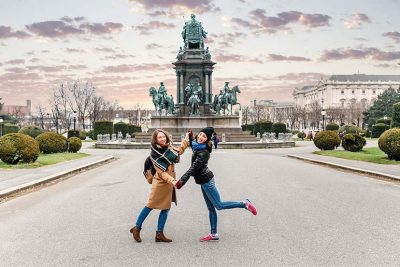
154	137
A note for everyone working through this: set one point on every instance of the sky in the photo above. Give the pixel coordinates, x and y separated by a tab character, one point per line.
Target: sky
124	47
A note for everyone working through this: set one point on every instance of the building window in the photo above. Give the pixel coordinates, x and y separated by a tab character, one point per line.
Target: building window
373	91
363	91
342	92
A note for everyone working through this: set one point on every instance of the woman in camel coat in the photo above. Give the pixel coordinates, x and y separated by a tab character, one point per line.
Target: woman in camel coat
162	193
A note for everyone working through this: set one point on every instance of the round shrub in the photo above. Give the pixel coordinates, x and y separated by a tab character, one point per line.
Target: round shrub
332	127
327	140
52	142
82	135
31	130
389	142
74	144
278	127
301	135
378	129
350	128
353	142
386	121
90	134
17	147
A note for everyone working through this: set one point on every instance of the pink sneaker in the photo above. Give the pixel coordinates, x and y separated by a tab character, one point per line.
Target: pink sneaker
250	207
209	237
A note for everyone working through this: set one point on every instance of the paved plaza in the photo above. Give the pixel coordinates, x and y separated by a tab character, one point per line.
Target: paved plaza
309	215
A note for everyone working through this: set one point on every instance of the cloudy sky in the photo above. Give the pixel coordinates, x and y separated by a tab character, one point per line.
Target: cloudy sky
124	47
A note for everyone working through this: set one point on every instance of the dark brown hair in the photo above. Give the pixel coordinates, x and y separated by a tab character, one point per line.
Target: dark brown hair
154	137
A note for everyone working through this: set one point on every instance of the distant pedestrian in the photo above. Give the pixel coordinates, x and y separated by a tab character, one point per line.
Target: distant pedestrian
310	133
202	147
215	140
163	159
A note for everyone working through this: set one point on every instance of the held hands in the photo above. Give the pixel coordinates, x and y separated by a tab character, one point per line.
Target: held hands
174	183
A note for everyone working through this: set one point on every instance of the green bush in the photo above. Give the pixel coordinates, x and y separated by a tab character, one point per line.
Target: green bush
278	127
378	129
350	128
332	127
103	127
386	121
396	115
301	135
31	130
248	127
327	140
10	128
74	144
353	142
18	147
389	142
82	135
121	127
134	129
262	127
90	134
52	142
72	133
368	133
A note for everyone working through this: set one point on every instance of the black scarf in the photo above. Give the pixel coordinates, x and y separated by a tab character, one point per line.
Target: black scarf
163	157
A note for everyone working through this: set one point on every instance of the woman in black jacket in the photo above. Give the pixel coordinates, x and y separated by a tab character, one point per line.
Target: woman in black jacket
202	147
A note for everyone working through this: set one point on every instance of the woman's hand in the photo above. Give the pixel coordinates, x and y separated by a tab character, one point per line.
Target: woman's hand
174	183
175	148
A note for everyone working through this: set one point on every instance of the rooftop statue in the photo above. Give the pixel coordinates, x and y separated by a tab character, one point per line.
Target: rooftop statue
193	33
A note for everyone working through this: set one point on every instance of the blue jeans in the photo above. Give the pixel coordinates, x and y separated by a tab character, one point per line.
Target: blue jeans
213	201
162	218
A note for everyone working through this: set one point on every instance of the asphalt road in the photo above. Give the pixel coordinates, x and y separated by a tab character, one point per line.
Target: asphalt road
309	215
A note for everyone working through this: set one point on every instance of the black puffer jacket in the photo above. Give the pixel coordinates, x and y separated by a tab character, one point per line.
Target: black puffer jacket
199	169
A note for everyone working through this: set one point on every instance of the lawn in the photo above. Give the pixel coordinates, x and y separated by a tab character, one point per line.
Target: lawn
44	160
371	154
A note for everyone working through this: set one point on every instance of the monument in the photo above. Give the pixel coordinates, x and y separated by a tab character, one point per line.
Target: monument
196	106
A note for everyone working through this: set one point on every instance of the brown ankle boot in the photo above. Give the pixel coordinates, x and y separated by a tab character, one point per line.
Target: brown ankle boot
136	234
160	237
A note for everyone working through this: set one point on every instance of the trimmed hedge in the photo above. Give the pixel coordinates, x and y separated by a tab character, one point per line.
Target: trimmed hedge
396	115
121	127
103	127
10	128
332	127
72	133
301	135
31	130
74	144
387	121
82	135
278	127
248	127
389	142
52	142
378	129
18	147
353	142
90	134
262	127
327	140
134	129
350	128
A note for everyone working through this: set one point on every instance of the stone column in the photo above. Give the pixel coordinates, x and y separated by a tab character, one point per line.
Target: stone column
181	98
178	86
207	90
210	87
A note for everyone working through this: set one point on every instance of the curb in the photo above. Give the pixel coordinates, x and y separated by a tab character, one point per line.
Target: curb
10	192
343	167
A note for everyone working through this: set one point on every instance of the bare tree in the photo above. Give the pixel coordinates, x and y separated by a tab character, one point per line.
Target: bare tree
80	99
293	116
314	113
41	111
245	114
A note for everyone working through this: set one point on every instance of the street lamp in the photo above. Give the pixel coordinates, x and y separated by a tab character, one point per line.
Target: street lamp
74	115
323	113
1	126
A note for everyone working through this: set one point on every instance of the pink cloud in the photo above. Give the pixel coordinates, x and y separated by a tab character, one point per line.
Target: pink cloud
393	35
356	20
7	32
15	62
275	57
365	53
134	68
146	28
196	6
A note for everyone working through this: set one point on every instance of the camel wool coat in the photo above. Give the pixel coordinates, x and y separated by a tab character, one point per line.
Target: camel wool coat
162	191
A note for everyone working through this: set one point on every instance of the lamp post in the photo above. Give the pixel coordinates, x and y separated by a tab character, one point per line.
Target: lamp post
1	126
74	115
323	113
